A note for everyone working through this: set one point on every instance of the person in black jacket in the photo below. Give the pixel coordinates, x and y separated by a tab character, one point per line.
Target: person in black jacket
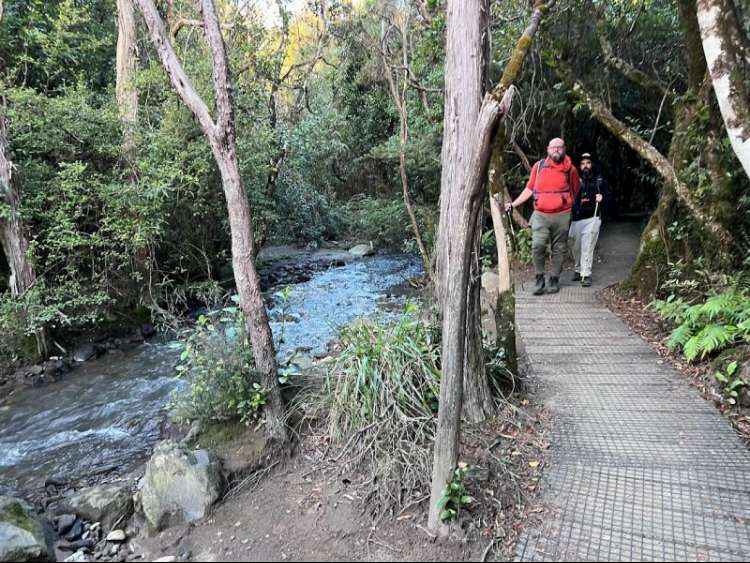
586	219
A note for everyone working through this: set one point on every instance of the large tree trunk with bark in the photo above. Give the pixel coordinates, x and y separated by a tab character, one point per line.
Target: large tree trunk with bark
222	139
725	45
466	62
14	242
13	239
464	217
127	101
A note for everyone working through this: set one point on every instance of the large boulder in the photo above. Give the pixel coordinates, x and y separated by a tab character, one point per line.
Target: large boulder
179	486
108	504
362	250
21	533
84	353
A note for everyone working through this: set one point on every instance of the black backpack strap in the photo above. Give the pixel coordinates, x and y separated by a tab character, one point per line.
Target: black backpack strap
539	166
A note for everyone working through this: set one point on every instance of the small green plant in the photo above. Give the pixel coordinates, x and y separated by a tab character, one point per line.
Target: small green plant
217	363
706	328
454	496
284	295
287	371
522	251
731	381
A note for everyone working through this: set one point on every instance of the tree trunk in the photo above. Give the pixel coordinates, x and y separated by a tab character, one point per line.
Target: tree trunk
127	95
127	101
466	54
464	217
399	98
463	97
728	59
505	301
13	239
222	139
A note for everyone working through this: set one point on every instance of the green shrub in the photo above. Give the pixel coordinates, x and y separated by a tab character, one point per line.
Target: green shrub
705	328
386	223
218	365
381	398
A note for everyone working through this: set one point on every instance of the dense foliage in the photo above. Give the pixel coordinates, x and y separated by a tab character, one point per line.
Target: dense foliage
115	239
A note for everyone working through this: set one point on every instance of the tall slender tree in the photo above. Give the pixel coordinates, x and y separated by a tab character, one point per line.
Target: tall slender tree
13	237
127	95
464	216
399	88
221	136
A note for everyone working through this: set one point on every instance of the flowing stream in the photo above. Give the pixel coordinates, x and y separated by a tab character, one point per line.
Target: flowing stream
104	417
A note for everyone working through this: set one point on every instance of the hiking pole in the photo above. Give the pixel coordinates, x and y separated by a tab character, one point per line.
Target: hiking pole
509	213
513	239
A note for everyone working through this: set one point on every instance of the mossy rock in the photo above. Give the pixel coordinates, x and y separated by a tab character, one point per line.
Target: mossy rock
21	533
241	448
179	486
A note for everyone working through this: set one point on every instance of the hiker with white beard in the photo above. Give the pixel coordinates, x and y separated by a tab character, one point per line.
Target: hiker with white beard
554	185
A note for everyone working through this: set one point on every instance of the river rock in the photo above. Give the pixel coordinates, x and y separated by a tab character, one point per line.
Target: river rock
105	504
147	330
116	536
179	486
78	557
21	532
75	532
84	353
65	523
55	368
362	250
302	362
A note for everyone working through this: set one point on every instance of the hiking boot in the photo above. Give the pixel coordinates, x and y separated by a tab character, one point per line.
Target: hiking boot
539	287
586	282
576	276
554	284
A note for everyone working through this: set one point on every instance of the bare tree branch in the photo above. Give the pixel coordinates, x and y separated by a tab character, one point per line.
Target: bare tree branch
644	149
625	68
173	66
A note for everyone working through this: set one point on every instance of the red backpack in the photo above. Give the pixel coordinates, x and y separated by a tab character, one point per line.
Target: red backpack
552	201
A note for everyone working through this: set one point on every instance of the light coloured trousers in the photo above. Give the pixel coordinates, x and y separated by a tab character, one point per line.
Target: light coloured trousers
583	236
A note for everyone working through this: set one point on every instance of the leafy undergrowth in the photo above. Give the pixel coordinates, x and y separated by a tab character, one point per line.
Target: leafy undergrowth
380	400
373	430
